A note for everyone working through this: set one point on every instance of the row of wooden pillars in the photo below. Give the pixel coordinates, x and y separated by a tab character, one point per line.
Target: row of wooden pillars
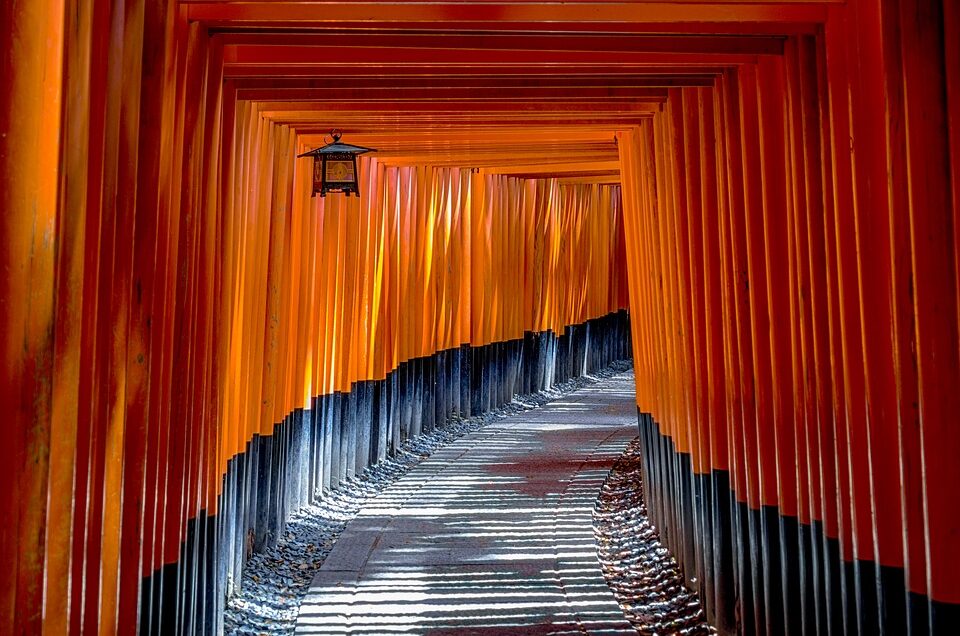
313	451
792	239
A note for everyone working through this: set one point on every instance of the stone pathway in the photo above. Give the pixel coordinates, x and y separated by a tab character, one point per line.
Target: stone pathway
492	534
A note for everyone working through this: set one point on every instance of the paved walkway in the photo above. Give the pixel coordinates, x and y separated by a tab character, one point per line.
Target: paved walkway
491	535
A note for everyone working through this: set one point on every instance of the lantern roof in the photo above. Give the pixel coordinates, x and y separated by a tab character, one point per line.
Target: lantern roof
336	147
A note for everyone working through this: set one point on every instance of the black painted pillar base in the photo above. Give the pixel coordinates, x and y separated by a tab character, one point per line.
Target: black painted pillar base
762	572
316	449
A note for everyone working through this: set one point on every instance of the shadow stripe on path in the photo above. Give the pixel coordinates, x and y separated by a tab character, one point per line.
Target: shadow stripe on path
492	534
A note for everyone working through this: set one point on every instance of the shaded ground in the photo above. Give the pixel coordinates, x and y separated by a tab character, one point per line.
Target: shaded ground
275	582
492	534
642	573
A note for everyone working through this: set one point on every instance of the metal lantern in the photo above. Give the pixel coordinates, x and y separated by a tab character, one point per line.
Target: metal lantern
335	167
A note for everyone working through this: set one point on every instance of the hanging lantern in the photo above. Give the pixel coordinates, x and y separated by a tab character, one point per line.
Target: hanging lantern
335	167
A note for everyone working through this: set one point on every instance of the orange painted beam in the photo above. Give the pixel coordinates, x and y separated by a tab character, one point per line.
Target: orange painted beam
254	75
241	48
280	88
251	59
649	14
454	108
420	94
555	167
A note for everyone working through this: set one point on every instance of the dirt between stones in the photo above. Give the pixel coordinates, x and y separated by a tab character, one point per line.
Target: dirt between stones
642	573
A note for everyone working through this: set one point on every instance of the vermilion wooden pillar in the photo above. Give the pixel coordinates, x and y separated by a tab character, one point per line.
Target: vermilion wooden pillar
820	189
29	159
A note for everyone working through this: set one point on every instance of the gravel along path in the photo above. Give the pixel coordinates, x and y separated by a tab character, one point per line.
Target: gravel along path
276	581
642	573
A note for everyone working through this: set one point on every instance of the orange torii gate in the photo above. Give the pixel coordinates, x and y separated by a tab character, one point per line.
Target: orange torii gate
782	193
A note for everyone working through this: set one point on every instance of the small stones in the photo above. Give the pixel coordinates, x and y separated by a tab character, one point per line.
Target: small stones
642	573
276	580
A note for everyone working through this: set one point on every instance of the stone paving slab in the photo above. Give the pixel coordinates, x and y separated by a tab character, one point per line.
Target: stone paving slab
490	535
